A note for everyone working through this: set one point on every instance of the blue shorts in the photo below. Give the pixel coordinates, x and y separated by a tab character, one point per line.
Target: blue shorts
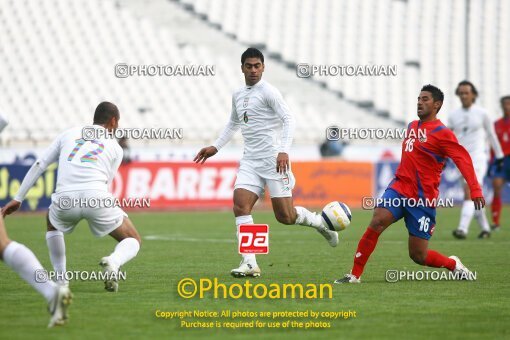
420	220
505	171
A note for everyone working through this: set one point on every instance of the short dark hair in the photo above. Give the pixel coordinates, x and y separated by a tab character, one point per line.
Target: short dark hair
437	94
468	83
502	100
251	52
105	111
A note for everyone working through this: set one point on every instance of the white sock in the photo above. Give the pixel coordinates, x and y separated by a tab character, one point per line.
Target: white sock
466	215
124	251
481	218
246	219
57	248
23	261
308	218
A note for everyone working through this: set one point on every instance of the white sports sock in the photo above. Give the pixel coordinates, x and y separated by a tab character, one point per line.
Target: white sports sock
466	215
23	261
57	248
308	218
124	251
481	218
245	219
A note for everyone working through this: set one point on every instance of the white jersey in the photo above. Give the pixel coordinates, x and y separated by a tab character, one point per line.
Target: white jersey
264	119
82	164
473	129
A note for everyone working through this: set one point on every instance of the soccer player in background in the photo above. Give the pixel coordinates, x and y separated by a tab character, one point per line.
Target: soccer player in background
500	175
259	110
473	127
418	177
85	169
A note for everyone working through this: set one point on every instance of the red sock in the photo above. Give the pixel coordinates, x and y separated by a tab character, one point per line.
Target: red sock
496	209
435	259
365	247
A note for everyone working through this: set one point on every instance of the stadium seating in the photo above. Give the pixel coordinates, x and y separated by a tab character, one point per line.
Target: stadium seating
57	61
425	39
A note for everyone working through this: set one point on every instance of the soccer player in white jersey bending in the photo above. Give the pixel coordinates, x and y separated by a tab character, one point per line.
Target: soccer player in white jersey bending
259	110
86	166
473	127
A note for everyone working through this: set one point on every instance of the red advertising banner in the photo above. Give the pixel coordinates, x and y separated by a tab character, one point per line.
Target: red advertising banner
179	184
318	183
210	185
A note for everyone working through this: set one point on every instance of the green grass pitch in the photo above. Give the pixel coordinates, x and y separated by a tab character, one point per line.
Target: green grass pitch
201	245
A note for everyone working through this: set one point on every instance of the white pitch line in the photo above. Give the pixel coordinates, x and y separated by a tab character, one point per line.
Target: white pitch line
185	239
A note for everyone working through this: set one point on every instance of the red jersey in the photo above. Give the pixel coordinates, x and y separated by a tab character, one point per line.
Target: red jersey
424	152
502	127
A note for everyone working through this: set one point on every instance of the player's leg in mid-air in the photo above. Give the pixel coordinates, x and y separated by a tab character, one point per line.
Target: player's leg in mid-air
280	185
381	219
23	261
286	213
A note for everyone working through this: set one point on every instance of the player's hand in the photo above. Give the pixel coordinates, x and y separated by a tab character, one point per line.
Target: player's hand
282	163
205	153
499	164
11	207
479	202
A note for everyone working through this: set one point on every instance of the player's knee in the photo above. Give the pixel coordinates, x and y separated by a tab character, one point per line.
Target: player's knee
285	218
241	210
377	224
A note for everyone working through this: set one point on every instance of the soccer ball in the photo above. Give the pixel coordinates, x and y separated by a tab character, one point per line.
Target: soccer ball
337	216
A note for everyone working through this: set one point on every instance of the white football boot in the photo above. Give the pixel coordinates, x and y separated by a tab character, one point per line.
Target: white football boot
246	269
348	278
111	284
461	271
59	305
330	235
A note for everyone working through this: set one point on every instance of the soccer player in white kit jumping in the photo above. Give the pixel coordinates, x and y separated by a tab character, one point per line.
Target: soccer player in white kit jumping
259	110
473	127
86	166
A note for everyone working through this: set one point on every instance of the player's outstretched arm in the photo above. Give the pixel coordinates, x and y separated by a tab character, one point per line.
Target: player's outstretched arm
205	153
50	155
10	207
463	161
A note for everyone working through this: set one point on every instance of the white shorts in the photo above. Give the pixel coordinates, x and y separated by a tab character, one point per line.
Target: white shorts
65	214
255	174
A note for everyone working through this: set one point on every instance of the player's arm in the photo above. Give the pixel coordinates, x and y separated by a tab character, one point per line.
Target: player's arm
493	139
49	156
462	160
280	107
226	135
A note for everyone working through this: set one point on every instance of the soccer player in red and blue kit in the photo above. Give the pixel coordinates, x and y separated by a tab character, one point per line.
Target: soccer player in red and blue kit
501	174
417	180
